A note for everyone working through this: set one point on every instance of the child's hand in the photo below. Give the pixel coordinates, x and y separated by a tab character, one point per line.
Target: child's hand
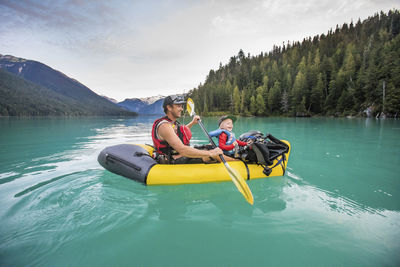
235	143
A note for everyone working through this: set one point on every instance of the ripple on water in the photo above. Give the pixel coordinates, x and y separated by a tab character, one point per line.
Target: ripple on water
347	222
72	207
62	206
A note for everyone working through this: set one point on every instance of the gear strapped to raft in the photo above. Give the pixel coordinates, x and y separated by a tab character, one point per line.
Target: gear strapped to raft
263	150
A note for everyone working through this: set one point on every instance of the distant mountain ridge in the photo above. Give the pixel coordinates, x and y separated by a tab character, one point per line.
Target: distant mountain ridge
79	100
147	105
152	99
110	99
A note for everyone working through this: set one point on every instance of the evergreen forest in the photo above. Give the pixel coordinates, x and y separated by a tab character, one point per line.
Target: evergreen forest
353	70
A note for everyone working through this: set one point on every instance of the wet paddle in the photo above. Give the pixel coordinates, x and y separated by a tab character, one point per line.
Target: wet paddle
237	179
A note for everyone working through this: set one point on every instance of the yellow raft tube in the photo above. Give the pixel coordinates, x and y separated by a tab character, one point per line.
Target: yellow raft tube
135	162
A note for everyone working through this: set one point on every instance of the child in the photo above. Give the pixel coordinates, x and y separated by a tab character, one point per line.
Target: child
226	138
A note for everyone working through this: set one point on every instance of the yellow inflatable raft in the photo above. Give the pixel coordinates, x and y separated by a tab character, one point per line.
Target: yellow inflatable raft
135	162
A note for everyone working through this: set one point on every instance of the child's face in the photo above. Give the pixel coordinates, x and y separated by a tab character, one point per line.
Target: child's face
227	125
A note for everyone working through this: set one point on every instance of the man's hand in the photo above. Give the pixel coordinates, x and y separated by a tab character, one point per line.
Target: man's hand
215	152
195	120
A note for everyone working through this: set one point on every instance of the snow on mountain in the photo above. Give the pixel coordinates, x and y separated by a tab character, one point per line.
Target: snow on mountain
110	99
145	105
151	99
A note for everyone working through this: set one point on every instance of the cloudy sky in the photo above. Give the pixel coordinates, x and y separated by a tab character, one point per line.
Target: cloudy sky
126	49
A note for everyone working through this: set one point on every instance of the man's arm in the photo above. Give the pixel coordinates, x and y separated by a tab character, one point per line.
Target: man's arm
167	133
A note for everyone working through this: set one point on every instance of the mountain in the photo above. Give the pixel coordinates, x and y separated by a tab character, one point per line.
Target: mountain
150	100
20	97
133	104
48	86
344	72
110	99
154	108
148	105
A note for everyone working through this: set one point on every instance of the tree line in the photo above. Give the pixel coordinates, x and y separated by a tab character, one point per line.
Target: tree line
352	70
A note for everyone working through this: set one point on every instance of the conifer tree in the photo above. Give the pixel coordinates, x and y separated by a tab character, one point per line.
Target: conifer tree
274	95
243	108
299	88
261	108
317	96
330	102
236	100
205	107
253	105
285	102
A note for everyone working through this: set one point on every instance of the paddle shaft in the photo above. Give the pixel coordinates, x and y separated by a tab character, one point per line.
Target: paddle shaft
211	140
237	179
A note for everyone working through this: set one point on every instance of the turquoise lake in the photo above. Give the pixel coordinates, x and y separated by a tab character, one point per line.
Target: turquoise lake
337	205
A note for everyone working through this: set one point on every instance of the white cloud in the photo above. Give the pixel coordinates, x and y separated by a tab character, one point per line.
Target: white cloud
134	49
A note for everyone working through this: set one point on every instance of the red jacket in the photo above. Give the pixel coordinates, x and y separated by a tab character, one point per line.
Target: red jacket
222	142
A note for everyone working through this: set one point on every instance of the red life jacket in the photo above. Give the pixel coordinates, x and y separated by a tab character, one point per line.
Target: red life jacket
161	146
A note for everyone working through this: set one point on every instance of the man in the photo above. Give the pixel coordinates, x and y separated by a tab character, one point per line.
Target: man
168	136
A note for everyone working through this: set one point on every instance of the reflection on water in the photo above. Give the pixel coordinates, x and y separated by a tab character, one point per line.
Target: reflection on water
337	203
345	217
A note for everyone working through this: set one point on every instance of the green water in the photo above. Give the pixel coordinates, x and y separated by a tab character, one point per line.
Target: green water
337	205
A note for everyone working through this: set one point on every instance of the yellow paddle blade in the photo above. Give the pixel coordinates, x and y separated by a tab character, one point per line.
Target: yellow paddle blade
190	107
240	183
237	179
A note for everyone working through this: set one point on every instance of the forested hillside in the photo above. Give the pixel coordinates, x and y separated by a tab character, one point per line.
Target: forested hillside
346	71
30	88
19	97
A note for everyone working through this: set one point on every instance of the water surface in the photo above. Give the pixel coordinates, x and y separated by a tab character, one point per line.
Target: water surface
338	204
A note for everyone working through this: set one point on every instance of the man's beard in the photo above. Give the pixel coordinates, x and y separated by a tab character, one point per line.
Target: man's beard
176	114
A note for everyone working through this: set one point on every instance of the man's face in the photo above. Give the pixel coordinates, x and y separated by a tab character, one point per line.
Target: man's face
176	110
